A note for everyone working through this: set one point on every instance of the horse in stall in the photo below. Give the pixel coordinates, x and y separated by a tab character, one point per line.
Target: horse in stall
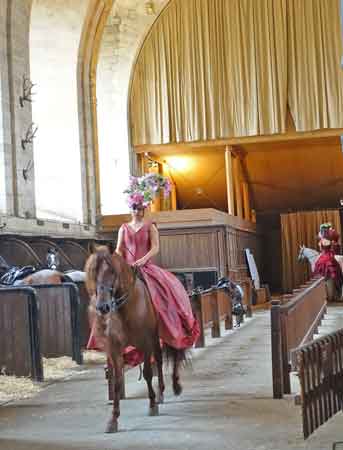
126	317
311	255
53	262
28	275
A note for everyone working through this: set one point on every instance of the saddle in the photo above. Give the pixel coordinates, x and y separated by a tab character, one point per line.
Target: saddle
15	274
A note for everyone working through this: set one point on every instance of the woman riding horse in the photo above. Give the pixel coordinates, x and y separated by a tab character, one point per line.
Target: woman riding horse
176	327
327	265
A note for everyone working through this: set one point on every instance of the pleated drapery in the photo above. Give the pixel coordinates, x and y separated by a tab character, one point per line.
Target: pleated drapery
212	69
301	228
315	88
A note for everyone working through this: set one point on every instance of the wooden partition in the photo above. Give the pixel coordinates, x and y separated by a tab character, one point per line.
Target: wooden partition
294	320
59	320
320	368
20	352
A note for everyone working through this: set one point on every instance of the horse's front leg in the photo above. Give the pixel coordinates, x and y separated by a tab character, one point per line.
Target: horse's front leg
117	359
147	374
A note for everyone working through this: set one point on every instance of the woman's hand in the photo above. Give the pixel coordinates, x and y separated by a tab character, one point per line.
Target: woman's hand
140	262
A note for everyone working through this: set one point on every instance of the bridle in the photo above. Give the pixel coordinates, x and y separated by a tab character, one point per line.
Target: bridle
115	303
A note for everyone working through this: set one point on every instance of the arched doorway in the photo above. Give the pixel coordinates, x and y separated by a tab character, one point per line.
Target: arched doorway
54	45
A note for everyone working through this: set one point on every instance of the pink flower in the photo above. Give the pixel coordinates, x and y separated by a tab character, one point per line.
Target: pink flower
135	199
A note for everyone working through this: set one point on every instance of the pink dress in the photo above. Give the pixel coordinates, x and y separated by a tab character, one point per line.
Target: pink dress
177	326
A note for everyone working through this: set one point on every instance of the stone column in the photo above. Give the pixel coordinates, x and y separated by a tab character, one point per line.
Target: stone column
17	163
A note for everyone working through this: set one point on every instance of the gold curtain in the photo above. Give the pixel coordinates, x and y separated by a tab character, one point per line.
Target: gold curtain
301	228
214	69
211	69
315	74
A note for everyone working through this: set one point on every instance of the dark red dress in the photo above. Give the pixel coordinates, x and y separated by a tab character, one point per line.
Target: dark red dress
177	325
328	267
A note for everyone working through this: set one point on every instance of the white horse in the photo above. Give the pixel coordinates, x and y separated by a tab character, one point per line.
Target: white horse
53	262
311	256
76	275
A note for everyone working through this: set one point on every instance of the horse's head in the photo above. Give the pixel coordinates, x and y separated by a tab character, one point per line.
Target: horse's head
301	254
107	279
52	259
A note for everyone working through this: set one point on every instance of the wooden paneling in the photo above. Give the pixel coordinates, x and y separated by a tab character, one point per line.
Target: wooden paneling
191	248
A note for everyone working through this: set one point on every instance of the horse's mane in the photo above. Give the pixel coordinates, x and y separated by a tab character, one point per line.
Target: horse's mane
121	269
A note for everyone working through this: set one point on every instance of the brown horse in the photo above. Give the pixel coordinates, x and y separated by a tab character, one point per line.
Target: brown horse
126	317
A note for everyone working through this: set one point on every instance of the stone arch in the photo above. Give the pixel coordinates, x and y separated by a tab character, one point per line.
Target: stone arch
54	41
125	29
62	44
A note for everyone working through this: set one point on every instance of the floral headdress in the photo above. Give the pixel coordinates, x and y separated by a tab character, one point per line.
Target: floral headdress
142	191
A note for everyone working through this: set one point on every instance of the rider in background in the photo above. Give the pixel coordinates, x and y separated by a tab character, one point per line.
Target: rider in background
328	232
327	265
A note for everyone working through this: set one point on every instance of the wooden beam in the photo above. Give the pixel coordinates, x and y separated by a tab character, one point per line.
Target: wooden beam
246	201
238	186
229	181
173	198
142	163
181	147
156	204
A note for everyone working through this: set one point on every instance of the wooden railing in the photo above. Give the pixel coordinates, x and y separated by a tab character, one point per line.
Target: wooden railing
294	320
320	368
212	306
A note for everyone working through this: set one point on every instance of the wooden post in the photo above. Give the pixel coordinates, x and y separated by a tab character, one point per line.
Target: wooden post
229	181
197	311
238	186
276	349
123	390
142	163
228	318
246	201
156	204
173	198
215	332
247	299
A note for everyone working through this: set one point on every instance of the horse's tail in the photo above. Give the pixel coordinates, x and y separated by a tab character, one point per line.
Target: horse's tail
179	358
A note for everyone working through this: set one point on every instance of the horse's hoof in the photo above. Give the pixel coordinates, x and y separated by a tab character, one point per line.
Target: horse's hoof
160	399
177	388
112	427
153	411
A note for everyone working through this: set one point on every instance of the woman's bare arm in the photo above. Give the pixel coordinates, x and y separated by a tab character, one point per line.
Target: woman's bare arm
119	248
